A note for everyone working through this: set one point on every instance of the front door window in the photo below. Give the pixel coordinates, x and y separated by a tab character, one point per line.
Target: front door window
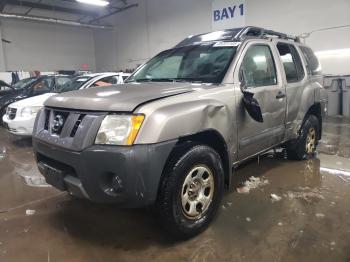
258	67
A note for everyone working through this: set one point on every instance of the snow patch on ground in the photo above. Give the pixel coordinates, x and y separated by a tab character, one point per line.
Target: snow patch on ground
35	181
307	194
30	212
252	183
275	198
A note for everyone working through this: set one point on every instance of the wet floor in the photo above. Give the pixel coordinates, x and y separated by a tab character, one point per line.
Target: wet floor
288	211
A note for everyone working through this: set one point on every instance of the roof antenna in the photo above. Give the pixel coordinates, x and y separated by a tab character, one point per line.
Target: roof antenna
307	34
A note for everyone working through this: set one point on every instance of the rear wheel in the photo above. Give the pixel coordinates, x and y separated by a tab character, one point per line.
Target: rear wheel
304	147
190	191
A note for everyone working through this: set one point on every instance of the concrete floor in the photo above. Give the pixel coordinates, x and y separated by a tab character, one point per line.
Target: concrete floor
310	222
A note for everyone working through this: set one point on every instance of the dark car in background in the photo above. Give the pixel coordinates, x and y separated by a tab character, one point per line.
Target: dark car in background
19	85
4	86
29	87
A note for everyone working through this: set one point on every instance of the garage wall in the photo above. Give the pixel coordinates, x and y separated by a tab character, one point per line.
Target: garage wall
46	47
153	26
294	16
105	45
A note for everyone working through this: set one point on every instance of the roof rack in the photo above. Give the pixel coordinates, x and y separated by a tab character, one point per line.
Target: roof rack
258	32
235	34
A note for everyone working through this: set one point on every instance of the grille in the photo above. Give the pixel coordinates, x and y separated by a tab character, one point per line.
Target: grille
76	125
62	123
11	113
73	130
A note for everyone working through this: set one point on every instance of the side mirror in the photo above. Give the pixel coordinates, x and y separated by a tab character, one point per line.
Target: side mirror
252	106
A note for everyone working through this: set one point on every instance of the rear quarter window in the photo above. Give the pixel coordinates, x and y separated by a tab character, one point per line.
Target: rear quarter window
313	65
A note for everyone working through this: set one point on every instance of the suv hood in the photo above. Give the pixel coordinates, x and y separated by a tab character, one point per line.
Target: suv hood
125	97
32	101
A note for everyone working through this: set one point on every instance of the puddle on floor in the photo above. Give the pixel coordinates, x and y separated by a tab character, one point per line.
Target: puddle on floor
309	222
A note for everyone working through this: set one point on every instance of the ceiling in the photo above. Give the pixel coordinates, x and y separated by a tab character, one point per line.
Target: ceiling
69	10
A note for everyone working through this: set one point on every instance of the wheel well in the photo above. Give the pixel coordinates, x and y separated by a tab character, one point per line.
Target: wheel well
210	138
316	111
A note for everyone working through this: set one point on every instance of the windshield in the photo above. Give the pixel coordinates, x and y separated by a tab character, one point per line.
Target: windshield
197	63
74	84
24	83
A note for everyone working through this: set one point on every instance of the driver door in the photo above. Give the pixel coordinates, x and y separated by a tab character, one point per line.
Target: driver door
261	102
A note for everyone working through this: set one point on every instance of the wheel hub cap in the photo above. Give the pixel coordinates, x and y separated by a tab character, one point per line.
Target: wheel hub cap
197	192
311	141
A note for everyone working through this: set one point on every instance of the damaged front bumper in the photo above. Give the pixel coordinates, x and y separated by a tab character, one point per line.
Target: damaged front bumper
106	174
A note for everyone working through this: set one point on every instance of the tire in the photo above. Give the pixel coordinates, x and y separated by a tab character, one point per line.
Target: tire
304	147
182	185
2	113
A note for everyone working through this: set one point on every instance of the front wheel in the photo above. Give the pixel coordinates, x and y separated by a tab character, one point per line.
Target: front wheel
190	191
2	113
304	147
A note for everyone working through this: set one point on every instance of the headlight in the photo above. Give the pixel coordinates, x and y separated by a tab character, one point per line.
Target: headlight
119	129
30	111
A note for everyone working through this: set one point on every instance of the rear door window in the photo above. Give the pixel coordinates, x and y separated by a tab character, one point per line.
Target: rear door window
292	64
298	63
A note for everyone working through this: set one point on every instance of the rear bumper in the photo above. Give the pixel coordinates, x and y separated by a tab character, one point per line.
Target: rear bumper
106	174
19	126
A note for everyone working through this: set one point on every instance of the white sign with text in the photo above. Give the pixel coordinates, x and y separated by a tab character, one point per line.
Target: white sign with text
228	14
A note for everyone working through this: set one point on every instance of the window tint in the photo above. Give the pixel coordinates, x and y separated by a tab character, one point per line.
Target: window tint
43	85
60	81
24	83
314	67
299	64
291	62
258	67
289	65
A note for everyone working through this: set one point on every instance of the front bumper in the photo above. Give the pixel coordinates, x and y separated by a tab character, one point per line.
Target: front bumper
19	126
106	174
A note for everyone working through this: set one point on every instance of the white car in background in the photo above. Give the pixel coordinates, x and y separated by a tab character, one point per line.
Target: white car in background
20	116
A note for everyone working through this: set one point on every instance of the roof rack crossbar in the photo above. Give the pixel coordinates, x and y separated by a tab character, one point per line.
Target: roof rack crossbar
258	32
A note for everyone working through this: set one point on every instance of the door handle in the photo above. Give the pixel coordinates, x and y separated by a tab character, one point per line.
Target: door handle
280	95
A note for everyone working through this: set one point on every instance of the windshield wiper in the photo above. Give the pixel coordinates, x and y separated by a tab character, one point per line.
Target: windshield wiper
169	80
180	80
151	80
141	80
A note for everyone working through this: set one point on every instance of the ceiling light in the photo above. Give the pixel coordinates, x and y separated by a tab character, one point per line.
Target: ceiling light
94	2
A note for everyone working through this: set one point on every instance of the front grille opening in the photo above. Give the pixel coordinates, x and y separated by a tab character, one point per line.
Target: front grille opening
47	119
76	125
59	119
11	112
56	164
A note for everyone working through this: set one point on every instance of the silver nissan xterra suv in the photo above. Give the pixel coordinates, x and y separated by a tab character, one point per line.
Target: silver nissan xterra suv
172	135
